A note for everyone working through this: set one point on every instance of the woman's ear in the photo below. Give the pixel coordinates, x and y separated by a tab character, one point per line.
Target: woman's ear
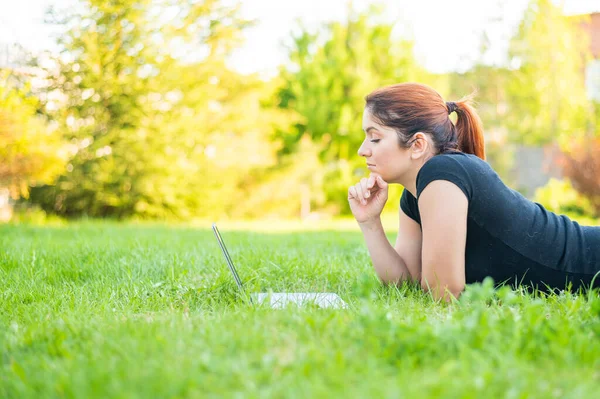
420	145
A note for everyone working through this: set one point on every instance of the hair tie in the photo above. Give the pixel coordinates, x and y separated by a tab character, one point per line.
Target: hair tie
452	107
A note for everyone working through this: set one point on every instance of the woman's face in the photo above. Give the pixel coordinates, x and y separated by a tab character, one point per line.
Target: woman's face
382	151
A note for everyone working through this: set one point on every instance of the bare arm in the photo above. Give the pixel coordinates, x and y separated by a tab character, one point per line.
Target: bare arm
444	239
392	265
388	264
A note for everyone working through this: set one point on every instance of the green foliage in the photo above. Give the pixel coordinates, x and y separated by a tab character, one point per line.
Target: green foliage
26	213
155	133
286	190
546	91
106	310
581	163
559	196
107	74
30	151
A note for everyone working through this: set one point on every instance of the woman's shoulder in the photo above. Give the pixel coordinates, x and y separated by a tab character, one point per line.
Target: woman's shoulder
456	167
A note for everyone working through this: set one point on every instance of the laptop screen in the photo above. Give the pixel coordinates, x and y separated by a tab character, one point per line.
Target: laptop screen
227	257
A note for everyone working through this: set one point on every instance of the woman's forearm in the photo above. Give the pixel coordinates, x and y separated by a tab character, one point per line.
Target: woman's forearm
389	266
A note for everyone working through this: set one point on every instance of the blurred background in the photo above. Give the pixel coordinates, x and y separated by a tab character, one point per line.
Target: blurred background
213	109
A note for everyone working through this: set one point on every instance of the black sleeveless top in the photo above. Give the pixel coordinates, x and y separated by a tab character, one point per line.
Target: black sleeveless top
509	237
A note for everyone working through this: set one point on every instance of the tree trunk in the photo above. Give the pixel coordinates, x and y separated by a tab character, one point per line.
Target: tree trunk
6	206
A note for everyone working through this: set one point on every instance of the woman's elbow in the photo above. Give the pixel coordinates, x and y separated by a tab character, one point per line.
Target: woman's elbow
448	292
396	279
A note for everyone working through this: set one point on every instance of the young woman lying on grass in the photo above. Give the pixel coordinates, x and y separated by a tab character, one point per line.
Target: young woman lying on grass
458	221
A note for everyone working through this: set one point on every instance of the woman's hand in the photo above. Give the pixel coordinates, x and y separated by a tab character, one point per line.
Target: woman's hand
367	198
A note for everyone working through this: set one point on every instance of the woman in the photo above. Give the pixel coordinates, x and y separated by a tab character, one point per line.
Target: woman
458	221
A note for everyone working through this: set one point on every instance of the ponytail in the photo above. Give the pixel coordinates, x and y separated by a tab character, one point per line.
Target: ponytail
469	128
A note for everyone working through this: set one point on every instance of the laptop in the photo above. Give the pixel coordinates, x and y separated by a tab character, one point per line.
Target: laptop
279	299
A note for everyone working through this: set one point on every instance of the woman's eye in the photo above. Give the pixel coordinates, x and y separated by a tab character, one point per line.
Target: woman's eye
375	140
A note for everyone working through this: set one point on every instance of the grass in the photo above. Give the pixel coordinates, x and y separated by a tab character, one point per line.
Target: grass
96	310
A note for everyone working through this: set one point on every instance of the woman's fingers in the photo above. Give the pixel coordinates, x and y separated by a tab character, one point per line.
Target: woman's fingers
371	181
352	194
366	188
360	193
374	185
364	184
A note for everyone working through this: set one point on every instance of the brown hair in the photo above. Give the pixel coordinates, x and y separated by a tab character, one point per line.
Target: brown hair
412	107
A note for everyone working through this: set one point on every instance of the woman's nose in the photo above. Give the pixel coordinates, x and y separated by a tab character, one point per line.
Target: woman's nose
362	151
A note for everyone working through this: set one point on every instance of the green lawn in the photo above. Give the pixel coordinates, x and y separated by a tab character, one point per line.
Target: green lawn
107	310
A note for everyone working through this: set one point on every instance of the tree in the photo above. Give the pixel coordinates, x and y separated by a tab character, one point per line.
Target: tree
30	151
152	111
547	99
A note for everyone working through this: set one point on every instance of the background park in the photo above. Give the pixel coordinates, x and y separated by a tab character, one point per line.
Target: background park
128	126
